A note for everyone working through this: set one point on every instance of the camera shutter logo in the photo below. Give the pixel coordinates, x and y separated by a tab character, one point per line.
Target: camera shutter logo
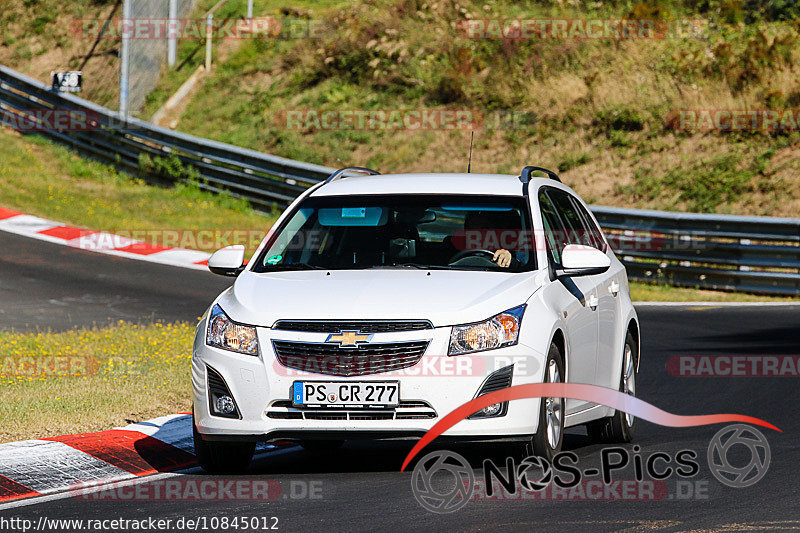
442	482
733	475
527	473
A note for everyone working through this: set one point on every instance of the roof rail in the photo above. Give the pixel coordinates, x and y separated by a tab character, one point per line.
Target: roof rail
525	175
342	171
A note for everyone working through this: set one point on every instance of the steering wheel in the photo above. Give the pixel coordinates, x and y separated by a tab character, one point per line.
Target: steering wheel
484	254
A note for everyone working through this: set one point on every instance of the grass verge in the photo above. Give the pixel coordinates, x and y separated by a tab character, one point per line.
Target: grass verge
92	379
650	292
47	180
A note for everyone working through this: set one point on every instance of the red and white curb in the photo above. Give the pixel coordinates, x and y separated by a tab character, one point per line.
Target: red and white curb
56	464
57	467
98	241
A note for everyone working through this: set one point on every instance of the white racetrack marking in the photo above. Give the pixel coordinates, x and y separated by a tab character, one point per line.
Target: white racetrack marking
104	243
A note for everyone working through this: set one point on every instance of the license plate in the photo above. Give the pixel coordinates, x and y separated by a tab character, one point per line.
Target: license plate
346	393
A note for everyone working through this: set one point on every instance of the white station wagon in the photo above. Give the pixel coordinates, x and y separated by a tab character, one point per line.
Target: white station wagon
380	303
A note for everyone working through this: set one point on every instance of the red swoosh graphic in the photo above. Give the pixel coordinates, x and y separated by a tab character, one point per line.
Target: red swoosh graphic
590	393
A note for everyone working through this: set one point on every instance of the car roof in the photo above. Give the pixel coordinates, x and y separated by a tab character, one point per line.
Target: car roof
431	183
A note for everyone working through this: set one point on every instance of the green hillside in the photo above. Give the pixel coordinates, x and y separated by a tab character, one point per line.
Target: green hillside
602	110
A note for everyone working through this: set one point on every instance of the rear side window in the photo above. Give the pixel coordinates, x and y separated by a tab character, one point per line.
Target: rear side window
578	225
593	236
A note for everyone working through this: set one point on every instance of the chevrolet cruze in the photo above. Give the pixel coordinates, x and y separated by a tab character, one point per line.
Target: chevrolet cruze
378	304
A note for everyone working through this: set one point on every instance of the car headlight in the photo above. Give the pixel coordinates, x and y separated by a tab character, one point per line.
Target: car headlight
222	332
499	331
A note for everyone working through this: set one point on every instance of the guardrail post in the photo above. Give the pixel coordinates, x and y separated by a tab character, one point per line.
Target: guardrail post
172	41
209	34
125	52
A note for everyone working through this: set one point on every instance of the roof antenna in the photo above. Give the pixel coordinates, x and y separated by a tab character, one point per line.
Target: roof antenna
469	163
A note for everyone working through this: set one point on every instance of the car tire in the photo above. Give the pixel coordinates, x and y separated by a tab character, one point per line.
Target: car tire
549	435
321	446
222	457
620	427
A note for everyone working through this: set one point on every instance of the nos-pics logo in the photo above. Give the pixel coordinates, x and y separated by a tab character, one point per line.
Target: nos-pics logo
443	481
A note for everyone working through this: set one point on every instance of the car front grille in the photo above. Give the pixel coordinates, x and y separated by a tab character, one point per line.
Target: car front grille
332	360
337	326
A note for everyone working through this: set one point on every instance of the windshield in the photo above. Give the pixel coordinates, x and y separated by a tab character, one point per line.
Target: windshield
458	232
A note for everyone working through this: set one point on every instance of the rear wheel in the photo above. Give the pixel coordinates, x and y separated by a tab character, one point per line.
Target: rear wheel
550	431
620	427
222	457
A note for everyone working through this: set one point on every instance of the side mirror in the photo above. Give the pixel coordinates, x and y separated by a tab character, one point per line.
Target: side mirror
228	261
580	260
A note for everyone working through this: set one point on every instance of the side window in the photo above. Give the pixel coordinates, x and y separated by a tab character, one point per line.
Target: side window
577	230
553	227
594	236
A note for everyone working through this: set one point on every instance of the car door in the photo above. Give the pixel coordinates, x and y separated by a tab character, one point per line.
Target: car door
574	297
608	308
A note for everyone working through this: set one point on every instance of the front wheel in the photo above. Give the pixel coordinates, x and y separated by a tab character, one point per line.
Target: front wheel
222	457
620	427
550	431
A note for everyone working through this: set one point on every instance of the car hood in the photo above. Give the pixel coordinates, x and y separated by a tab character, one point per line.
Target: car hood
443	297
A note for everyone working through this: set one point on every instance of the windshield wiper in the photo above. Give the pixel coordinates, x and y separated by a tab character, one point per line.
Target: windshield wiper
417	266
296	266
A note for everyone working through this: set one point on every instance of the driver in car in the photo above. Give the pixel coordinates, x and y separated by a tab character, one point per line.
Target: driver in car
503	258
495	221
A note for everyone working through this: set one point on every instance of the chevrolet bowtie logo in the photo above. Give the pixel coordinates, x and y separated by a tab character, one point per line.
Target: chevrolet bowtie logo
349	338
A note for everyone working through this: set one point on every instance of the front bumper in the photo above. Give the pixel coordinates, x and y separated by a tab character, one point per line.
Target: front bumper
429	390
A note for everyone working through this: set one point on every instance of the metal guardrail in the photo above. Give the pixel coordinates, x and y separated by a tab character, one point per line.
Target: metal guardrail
753	254
724	252
265	180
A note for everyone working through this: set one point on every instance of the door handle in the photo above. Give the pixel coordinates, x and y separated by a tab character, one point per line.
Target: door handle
592	302
614	288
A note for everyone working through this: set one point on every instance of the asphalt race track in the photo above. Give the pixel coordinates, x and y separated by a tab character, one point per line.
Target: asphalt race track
360	487
45	285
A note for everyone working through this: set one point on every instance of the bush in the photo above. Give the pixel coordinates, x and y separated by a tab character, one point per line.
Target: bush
619	118
620	139
772	9
170	168
572	161
40	23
